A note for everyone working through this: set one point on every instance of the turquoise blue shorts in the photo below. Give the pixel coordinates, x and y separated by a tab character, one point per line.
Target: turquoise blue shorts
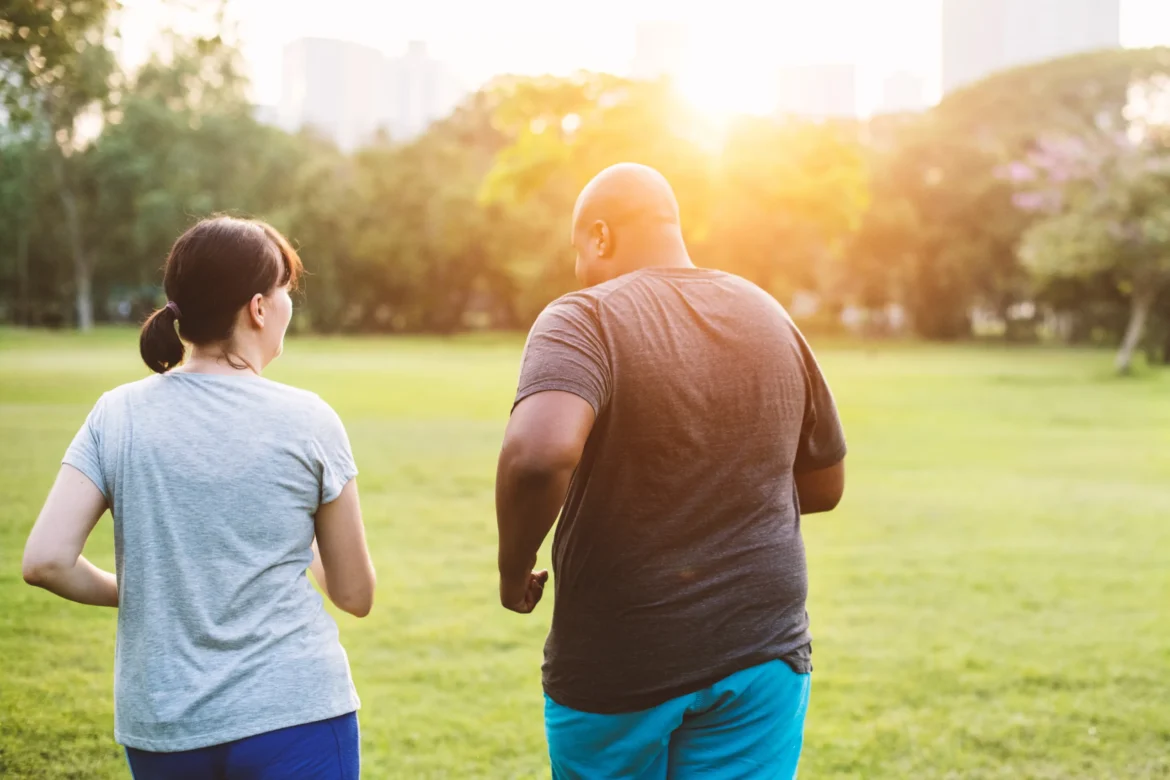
748	725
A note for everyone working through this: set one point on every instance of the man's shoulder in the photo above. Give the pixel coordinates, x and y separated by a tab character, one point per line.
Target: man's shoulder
577	306
749	288
591	297
584	307
753	300
594	302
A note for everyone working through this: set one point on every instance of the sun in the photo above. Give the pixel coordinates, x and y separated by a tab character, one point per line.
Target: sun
716	102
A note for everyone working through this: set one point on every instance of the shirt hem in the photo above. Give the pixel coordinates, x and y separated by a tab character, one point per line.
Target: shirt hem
649	701
825	462
347	476
560	385
95	476
223	736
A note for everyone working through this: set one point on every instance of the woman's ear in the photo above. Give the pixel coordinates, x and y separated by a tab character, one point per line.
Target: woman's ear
256	309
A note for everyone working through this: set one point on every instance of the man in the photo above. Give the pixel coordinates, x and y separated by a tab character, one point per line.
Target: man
681	421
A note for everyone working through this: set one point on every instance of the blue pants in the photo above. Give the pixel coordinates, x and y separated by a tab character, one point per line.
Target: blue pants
325	750
748	725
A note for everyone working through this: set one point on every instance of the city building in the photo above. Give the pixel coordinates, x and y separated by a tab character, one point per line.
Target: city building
660	49
418	89
349	92
334	87
902	92
266	115
981	37
825	91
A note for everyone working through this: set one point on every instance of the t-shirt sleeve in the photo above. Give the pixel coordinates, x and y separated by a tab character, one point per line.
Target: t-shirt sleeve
333	455
85	452
566	351
822	439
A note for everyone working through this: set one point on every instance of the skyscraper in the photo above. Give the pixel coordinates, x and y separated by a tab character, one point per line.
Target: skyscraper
349	92
660	50
334	87
902	92
825	91
981	37
418	89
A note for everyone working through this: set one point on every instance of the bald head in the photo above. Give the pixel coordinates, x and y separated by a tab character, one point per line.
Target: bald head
625	193
626	218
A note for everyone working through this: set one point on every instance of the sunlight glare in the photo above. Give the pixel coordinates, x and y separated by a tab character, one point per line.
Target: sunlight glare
733	67
720	98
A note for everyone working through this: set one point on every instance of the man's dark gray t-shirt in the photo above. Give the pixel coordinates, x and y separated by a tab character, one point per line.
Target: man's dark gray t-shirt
678	558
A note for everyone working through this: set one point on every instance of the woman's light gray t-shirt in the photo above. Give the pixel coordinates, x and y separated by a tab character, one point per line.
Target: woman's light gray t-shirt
213	482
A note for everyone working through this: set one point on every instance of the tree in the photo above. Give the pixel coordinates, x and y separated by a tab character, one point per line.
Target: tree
786	197
939	236
768	201
179	145
54	67
316	211
1106	200
945	228
18	201
32	248
557	133
423	250
1094	177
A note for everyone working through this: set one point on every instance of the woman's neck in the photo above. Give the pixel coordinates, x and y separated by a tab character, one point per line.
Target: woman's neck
226	359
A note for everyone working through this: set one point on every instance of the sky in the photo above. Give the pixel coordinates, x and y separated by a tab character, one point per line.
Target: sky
736	46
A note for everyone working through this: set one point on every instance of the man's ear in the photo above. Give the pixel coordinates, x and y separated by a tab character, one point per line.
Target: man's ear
602	238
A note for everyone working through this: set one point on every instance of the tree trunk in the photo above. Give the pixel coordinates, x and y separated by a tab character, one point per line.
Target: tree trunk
82	273
82	278
25	308
1139	312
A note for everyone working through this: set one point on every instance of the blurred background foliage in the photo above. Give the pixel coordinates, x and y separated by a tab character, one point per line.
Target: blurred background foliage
1032	205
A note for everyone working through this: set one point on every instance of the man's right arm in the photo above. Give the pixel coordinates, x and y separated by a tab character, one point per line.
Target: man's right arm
564	385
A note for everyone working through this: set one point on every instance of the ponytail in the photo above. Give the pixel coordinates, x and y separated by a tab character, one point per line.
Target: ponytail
215	269
159	344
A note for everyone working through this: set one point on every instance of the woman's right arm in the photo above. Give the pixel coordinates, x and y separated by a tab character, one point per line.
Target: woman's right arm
343	558
52	555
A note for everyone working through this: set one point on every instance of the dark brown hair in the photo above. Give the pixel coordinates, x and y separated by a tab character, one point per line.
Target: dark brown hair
212	272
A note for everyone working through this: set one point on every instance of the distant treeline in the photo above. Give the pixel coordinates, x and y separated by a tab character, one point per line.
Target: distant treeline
1037	201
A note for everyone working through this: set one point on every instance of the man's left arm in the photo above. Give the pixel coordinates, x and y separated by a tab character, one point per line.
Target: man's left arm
819	468
542	447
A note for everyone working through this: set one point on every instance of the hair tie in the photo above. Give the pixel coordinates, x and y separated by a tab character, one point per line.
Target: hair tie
174	307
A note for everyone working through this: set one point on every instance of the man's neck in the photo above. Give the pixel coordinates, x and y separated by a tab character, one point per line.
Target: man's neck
659	255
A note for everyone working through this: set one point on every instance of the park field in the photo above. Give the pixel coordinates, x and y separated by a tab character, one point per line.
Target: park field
992	599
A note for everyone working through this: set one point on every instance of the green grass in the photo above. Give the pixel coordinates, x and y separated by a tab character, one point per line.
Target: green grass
991	601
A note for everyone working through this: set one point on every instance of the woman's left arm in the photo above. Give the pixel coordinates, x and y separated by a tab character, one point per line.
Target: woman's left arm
52	555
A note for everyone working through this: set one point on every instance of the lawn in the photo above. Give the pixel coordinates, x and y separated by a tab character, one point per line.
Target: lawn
992	600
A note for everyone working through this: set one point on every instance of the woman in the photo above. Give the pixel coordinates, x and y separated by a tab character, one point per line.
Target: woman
224	488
